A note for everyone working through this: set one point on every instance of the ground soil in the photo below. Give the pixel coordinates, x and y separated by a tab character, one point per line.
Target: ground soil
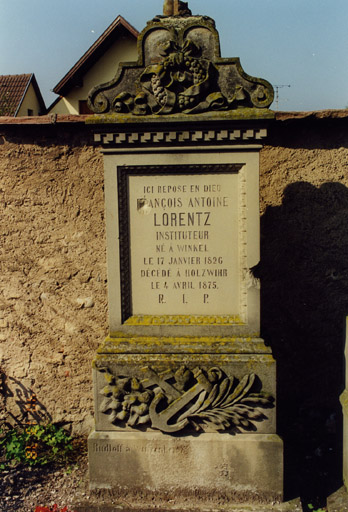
23	488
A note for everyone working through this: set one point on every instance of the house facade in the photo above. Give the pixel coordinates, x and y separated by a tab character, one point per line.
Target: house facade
117	44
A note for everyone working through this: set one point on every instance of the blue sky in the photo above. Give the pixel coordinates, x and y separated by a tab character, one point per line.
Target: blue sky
301	43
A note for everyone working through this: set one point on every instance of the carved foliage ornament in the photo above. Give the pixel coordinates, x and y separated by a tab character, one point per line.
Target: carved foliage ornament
172	401
182	76
182	82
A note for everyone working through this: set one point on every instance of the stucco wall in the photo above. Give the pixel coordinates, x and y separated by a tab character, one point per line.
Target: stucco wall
53	304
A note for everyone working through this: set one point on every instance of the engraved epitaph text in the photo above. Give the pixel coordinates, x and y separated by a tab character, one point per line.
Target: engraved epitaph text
184	250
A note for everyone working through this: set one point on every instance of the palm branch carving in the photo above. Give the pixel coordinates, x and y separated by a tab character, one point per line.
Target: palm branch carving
229	405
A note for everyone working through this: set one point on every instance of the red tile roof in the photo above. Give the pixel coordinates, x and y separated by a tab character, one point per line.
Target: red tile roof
118	28
12	91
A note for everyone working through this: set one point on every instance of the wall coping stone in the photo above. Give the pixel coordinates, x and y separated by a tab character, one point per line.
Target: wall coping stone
81	119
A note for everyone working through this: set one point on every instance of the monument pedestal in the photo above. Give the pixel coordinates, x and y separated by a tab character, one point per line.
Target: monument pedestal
190	389
206	468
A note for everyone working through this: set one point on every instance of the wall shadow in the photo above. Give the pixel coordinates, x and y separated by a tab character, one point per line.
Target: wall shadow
29	409
310	132
304	301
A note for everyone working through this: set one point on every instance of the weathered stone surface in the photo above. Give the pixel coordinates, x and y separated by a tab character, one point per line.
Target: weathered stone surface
180	71
175	8
172	392
207	467
204	312
154	202
46	119
290	506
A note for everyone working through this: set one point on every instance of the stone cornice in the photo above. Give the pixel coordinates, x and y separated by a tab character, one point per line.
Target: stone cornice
181	137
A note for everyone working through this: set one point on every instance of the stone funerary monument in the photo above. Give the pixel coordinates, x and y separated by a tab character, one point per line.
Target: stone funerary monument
184	388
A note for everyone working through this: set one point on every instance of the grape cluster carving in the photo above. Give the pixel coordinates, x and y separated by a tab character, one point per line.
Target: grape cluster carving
158	90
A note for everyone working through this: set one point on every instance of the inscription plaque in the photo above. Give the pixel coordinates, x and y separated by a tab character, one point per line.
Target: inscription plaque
184	241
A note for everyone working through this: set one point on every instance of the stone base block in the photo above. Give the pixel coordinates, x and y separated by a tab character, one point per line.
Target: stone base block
206	468
290	506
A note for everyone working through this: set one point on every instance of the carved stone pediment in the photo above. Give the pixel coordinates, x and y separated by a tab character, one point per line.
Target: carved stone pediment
180	72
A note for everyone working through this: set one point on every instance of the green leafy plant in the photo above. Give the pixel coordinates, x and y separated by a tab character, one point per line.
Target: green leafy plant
34	445
311	507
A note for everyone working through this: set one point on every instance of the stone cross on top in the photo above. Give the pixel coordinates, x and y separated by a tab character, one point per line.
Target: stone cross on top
175	8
